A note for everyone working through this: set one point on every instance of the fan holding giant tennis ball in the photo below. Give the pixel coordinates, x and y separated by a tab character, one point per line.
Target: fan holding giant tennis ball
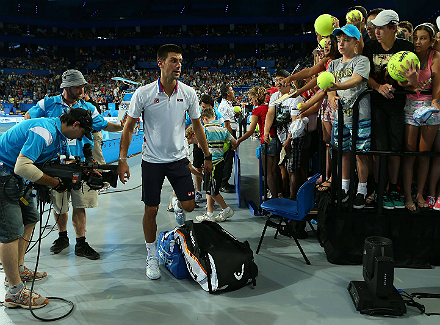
324	25
357	14
400	59
325	80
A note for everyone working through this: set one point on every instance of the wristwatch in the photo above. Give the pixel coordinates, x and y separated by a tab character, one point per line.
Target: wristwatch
59	182
209	158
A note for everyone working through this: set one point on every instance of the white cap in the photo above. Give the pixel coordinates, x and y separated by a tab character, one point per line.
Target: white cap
385	17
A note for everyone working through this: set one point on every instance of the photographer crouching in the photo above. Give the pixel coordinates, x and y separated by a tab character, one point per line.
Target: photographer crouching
29	142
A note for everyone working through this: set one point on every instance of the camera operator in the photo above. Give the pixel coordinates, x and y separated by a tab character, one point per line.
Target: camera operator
72	83
26	143
97	135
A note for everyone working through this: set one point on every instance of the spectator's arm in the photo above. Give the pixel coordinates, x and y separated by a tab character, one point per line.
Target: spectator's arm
436	80
350	83
228	126
269	121
114	127
385	90
254	121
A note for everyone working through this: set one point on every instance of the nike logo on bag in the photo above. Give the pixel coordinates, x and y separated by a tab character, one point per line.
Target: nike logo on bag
239	275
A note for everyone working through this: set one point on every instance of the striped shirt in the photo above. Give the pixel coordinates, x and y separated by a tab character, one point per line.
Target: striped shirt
218	138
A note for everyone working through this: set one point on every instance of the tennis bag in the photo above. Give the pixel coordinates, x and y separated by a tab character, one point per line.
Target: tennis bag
214	258
170	255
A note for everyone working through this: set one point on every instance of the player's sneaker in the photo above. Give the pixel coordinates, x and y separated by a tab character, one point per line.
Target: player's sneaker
153	271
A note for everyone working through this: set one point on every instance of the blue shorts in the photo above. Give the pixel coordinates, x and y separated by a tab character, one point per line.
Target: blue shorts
178	174
363	142
14	214
273	147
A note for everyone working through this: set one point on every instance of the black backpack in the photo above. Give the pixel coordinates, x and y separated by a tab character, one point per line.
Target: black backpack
216	259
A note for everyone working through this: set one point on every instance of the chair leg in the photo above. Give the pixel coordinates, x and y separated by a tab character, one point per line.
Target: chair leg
277	228
262	235
316	233
302	251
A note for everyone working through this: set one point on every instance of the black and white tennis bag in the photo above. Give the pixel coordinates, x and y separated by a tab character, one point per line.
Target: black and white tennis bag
212	253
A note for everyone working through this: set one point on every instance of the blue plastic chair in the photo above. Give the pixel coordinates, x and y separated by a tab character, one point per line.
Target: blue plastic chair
287	210
7	108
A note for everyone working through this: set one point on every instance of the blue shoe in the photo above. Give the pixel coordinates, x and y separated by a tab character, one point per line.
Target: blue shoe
396	200
180	217
199	197
179	213
387	203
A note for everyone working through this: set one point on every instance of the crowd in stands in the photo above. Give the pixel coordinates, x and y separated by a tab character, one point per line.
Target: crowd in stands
151	31
35	63
25	88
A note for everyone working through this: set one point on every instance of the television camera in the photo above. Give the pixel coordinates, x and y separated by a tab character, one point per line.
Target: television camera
74	174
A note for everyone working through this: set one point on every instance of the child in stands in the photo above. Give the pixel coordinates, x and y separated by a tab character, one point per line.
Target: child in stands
420	137
351	72
217	136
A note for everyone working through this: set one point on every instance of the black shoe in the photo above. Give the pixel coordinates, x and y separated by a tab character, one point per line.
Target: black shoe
359	201
85	250
59	244
227	188
345	197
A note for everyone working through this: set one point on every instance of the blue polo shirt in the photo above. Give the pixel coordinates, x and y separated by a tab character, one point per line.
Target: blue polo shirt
55	107
38	140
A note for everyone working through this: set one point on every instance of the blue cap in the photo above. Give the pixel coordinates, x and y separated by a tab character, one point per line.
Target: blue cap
349	30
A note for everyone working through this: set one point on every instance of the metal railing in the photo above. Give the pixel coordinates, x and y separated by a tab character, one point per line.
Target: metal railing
337	159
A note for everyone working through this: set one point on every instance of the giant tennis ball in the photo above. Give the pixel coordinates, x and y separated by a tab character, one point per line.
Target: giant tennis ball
325	80
324	25
394	65
322	42
237	109
350	14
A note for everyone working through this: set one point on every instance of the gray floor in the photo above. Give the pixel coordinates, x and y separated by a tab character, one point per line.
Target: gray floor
115	290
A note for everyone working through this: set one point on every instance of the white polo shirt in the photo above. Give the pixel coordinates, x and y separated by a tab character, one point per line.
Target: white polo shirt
164	120
227	110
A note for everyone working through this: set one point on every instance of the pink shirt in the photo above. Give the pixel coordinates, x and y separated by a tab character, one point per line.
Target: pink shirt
423	76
